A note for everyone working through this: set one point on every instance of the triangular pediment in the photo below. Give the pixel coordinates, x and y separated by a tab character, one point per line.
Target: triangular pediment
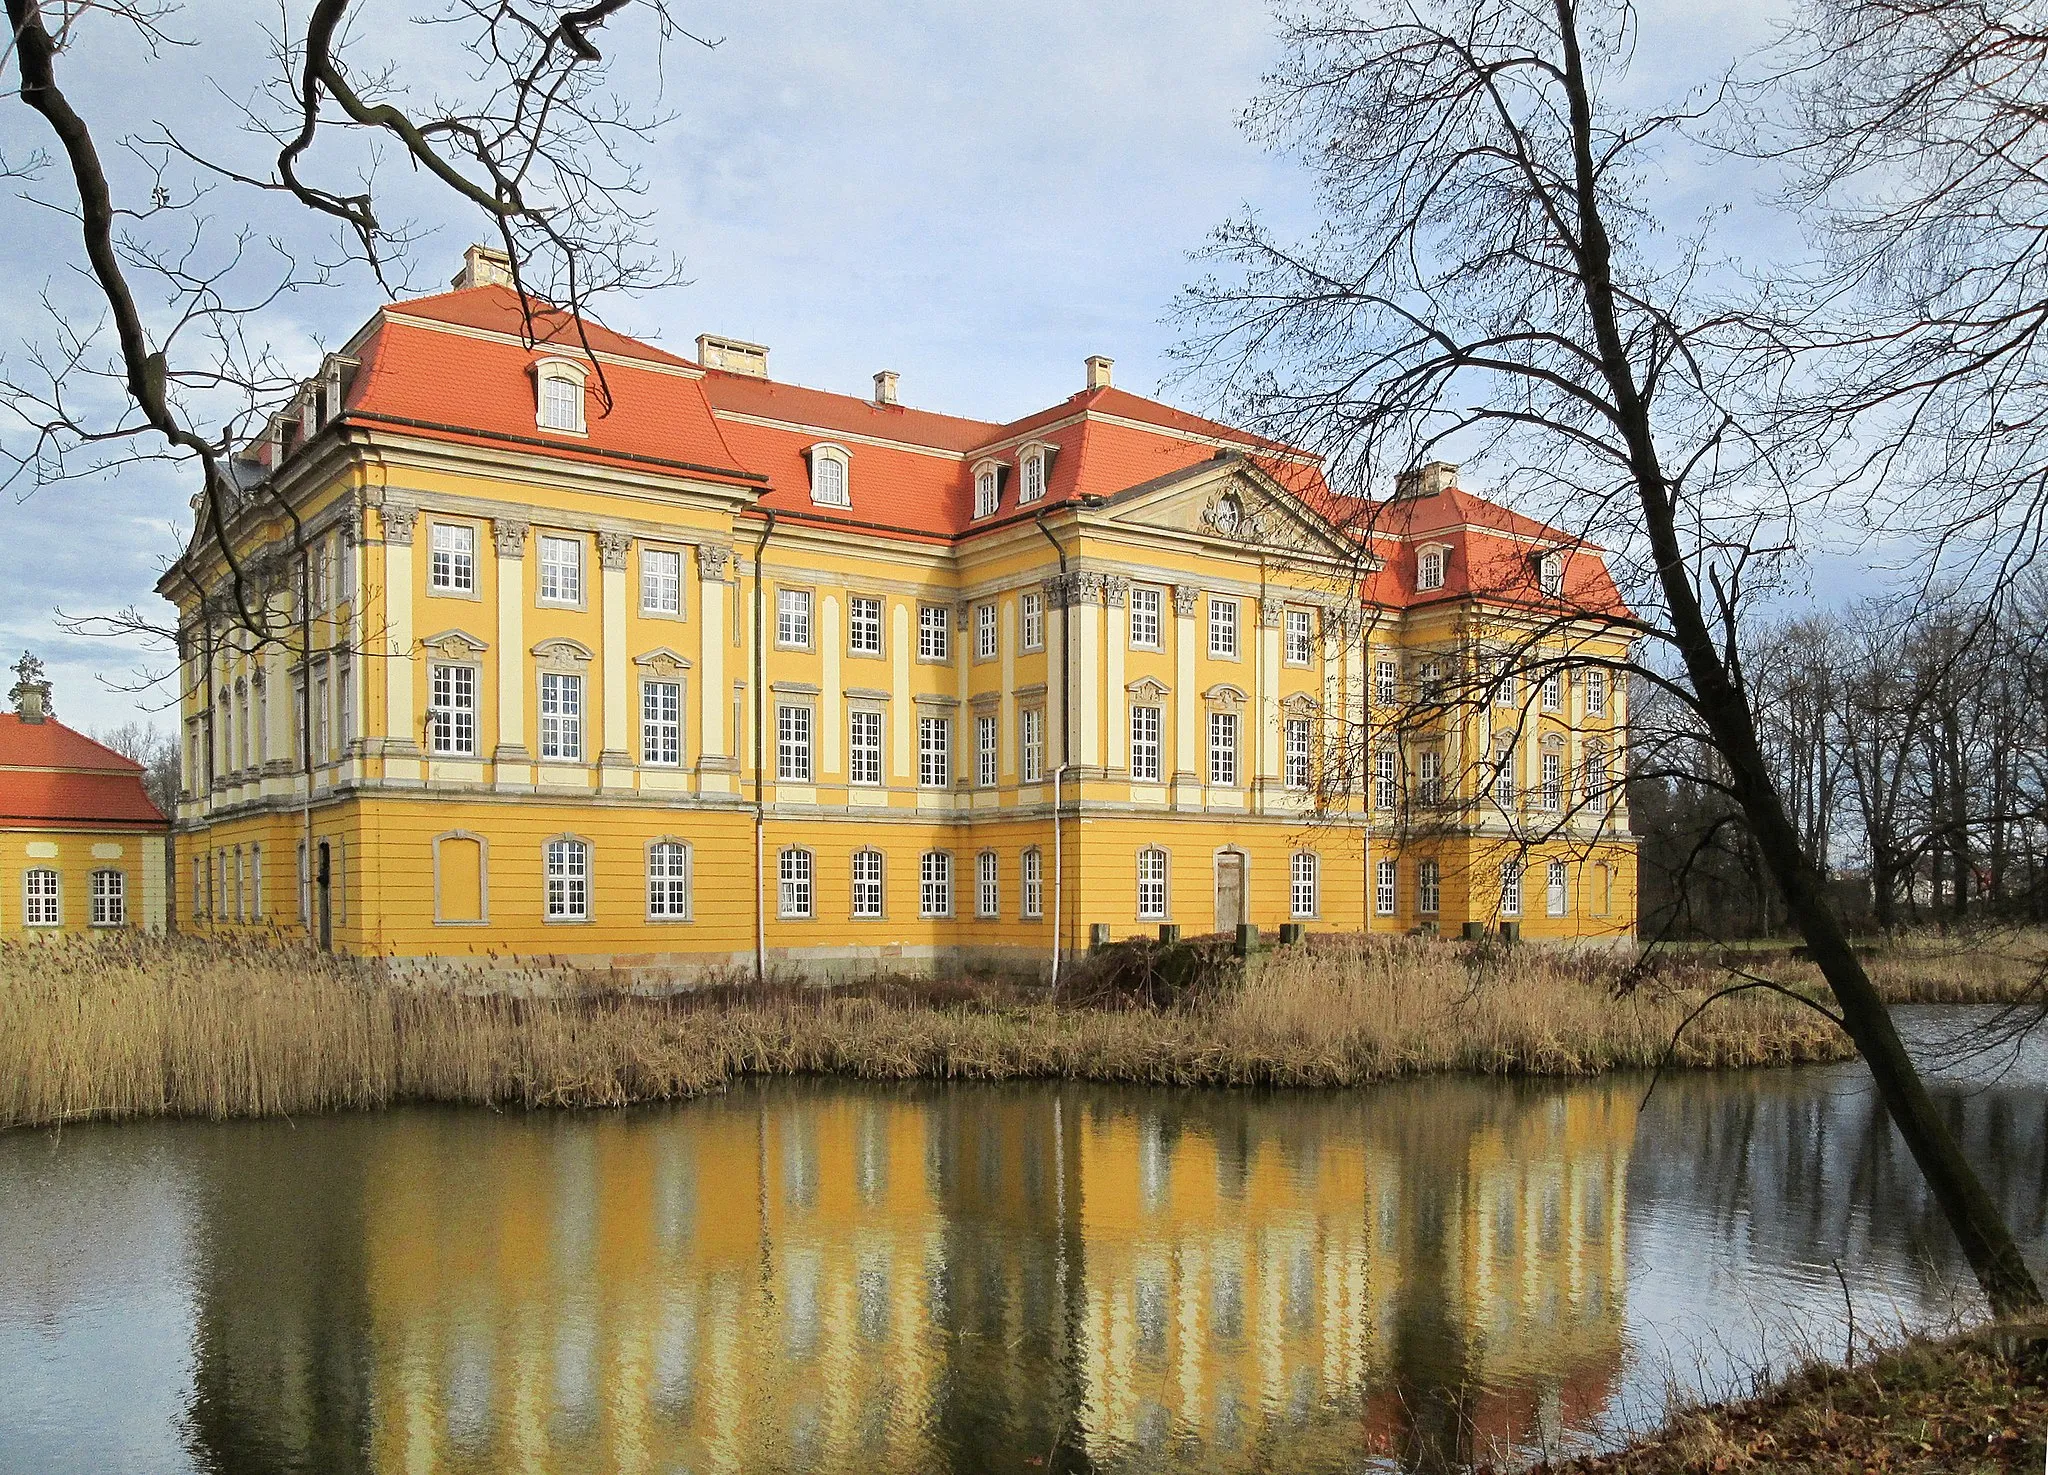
1227	501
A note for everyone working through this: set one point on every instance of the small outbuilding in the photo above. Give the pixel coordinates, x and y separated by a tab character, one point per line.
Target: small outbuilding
81	842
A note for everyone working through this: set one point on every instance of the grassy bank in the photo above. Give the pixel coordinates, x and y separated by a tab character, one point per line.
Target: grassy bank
1966	1405
138	1028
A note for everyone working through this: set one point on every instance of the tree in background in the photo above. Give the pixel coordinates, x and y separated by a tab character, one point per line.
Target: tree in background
157	752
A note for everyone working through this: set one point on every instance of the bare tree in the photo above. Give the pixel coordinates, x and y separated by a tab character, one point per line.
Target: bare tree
156	751
1485	274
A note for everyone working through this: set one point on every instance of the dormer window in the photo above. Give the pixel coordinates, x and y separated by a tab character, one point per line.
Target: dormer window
558	389
988	488
1034	469
1429	569
829	478
1550	574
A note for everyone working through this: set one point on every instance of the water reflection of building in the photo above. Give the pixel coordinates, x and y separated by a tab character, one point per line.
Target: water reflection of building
834	1278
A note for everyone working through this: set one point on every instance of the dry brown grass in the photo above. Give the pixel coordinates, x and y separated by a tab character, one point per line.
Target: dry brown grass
140	1027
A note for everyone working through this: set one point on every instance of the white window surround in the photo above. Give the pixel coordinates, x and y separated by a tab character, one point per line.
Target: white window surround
42	898
561	571
1034	471
868	892
864	624
668	880
988	488
1223	628
864	746
558	396
451	559
988	886
987	639
792	619
831	475
1432	566
661	582
109	898
1031	884
1031	620
935	884
1152	884
566	871
1146	622
1428	888
1300	637
793	875
1304	889
934	632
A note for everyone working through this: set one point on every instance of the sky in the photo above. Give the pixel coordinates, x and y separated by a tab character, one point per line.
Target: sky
975	196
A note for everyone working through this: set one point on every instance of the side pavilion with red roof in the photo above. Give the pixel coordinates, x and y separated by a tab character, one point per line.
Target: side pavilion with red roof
81	842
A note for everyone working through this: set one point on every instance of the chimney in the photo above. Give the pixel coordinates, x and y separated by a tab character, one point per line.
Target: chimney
885	387
733	356
483	266
31	693
1426	481
1098	371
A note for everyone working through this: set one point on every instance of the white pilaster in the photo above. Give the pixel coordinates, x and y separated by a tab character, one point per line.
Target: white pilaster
902	715
615	758
717	764
1087	615
401	729
1116	702
511	758
832	697
1187	750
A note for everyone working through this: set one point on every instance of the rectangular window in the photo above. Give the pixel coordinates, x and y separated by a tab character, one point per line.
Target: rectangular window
561	716
867	883
1296	753
1386	681
1031	882
988	891
985	643
1304	874
451	558
42	903
568	881
322	721
1151	884
1430	776
1223	628
1553	780
344	708
1553	690
1511	888
1301	637
451	710
864	625
256	881
661	722
864	748
1428	888
1596	693
935	752
1504	778
1503	681
793	884
985	752
668	881
561	402
561	570
1033	721
934	632
793	618
1034	478
1145	743
793	744
1032	610
1385	888
935	884
1554	891
1223	748
1386	779
661	581
1144	619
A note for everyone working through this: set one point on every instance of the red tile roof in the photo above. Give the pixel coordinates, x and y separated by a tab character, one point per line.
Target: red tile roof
54	778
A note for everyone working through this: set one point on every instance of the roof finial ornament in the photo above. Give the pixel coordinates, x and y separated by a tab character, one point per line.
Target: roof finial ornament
31	693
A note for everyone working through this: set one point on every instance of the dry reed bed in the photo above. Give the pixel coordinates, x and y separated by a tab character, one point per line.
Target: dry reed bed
143	1028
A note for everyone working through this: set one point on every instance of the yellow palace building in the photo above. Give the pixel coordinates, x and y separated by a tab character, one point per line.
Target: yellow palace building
597	652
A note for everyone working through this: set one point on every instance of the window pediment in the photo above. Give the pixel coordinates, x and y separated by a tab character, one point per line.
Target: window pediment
1148	689
1300	704
454	645
1225	697
563	654
662	662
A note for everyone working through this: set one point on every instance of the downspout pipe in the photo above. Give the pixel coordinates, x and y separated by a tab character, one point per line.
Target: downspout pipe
760	793
1059	774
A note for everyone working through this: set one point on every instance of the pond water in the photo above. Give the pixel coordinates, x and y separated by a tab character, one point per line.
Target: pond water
830	1276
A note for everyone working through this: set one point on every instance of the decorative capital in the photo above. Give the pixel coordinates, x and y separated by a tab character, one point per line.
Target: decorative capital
1088	586
1116	591
963	615
1184	597
711	562
1058	591
612	547
510	533
1270	614
398	521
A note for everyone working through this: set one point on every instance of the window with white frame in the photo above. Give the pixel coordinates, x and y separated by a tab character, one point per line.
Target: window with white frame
934	752
1032	721
1223	628
867	883
1428	888
661	722
793	883
344	705
41	898
1304	876
1596	693
1151	884
864	747
934	632
1223	748
1031	610
568	881
1596	773
1301	637
1145	721
1429	776
1386	779
793	618
1550	573
1386	681
1145	618
256	881
985	751
985	492
1386	886
561	570
1511	888
451	558
986	644
864	625
1031	883
1033	470
561	398
793	743
1504	681
1296	753
988	891
1504	777
109	898
1429	569
451	710
1555	892
935	884
1553	690
661	581
1553	780
1429	681
828	477
668	881
561	716
323	719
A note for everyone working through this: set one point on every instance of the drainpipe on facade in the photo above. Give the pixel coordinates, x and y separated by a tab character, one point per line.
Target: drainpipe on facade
760	801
